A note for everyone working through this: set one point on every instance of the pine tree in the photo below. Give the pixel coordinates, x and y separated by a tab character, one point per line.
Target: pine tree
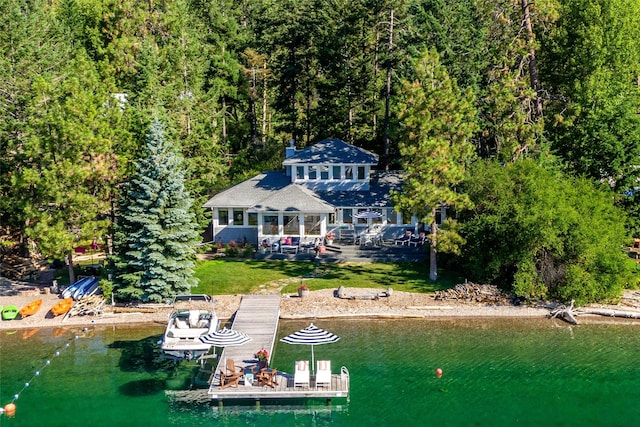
438	120
158	231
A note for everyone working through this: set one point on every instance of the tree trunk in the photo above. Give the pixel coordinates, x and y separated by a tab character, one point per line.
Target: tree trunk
72	276
264	105
533	67
433	264
387	95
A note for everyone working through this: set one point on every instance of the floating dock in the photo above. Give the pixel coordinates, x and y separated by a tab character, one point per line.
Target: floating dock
258	317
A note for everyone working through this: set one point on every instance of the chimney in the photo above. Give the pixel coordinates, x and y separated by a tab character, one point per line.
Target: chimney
290	150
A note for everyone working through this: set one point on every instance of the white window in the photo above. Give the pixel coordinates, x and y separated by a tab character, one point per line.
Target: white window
348	172
223	216
324	172
312	225
336	172
238	217
291	224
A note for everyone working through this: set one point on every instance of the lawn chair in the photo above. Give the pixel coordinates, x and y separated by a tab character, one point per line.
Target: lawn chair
301	375
323	374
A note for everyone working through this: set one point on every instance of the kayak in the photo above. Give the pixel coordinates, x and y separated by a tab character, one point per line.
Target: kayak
62	306
73	288
10	312
85	289
28	333
31	308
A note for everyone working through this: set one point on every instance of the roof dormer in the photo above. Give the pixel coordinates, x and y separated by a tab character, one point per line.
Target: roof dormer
330	164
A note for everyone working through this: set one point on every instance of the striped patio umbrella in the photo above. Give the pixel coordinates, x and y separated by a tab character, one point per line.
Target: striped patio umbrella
311	335
367	214
225	338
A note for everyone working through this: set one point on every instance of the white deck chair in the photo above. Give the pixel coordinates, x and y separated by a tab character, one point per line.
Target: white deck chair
301	376
323	374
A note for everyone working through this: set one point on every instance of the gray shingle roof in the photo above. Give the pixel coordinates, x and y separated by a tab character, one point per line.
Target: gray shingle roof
269	191
293	198
332	151
273	191
378	195
250	192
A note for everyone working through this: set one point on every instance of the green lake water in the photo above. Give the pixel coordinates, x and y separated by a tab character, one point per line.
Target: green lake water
497	372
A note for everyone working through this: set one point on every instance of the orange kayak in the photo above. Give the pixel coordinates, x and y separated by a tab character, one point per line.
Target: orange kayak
62	307
29	333
31	308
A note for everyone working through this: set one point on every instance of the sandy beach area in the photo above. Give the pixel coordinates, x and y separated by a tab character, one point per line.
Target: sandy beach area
317	305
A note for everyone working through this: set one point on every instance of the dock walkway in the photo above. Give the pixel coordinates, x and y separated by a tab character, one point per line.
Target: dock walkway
258	317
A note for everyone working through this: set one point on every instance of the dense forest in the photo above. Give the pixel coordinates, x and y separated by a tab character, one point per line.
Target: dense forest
555	82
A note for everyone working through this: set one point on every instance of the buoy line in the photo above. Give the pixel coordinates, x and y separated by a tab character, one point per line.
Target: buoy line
10	408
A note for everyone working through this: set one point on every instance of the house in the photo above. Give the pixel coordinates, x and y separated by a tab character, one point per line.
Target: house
324	188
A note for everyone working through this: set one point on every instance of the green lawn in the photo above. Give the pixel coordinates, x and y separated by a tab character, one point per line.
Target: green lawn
225	277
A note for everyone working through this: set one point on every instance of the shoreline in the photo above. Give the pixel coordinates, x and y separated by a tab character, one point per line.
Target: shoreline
321	304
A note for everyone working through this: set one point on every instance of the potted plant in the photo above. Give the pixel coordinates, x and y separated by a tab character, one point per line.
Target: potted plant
263	358
330	236
303	290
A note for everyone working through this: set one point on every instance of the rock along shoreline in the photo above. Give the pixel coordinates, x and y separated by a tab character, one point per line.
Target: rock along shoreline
322	304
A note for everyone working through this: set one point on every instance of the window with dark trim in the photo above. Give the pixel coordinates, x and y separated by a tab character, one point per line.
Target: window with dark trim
223	216
238	217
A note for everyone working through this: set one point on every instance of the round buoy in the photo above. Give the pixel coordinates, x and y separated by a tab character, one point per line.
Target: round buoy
439	373
10	409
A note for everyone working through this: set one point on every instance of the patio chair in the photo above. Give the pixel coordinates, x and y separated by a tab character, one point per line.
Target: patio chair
268	378
291	244
232	369
418	240
229	380
323	373
404	240
268	245
301	375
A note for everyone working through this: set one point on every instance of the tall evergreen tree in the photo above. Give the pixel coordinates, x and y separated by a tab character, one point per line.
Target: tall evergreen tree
156	261
439	120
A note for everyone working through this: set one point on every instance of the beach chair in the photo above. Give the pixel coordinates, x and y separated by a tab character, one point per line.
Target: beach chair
323	373
301	375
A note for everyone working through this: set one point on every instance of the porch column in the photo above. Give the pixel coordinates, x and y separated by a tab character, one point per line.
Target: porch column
260	228
301	225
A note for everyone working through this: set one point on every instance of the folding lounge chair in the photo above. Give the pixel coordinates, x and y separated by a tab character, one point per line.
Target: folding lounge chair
323	374
301	375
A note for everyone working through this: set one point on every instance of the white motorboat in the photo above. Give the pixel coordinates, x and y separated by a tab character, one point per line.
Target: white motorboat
193	317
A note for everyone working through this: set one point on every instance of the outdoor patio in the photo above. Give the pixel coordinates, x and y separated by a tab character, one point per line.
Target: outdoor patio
348	252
